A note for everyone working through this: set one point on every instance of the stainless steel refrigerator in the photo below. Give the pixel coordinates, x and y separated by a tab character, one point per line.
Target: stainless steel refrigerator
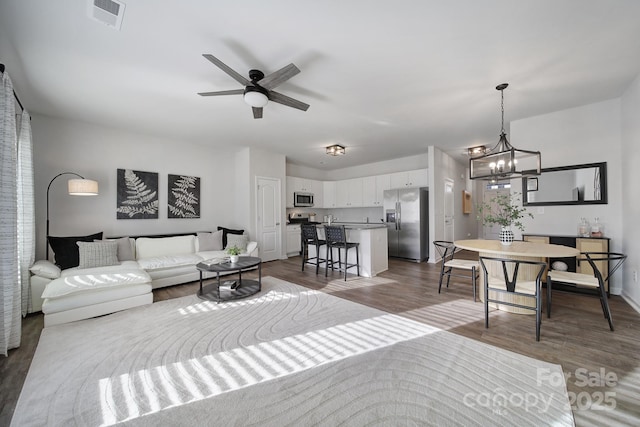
407	217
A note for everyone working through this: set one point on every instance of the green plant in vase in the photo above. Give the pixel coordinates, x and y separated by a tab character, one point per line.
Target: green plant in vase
234	253
505	210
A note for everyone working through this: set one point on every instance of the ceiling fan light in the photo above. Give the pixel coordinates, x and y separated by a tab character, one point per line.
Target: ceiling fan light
254	97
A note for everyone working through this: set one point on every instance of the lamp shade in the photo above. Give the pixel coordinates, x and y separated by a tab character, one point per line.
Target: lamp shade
83	187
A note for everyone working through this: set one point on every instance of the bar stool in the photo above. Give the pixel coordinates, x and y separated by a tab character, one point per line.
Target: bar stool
337	239
309	235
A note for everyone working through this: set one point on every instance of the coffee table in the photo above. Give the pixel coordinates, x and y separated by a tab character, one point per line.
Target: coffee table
245	287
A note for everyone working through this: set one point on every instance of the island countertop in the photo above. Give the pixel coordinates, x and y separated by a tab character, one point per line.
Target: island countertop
356	226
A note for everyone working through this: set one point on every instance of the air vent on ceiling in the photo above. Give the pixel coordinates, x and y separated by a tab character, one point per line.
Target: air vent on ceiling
109	12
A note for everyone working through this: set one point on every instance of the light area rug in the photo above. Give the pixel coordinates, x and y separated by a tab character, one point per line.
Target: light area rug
286	356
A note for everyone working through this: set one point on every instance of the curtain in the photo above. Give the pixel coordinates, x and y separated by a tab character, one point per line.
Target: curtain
26	209
10	300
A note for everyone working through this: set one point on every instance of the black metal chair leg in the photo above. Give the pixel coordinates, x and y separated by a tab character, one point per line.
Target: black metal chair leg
357	261
473	282
486	301
605	306
304	254
548	298
538	312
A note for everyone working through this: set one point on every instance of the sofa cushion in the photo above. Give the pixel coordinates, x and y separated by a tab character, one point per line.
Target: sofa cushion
168	261
149	247
240	241
82	282
226	232
97	254
210	241
45	269
66	251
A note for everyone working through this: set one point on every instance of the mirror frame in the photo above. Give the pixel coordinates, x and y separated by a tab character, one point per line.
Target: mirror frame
603	186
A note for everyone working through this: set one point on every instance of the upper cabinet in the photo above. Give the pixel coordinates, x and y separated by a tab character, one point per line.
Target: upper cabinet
329	194
349	193
373	189
356	192
412	178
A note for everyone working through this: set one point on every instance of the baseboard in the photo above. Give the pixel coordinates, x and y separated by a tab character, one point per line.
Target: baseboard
631	302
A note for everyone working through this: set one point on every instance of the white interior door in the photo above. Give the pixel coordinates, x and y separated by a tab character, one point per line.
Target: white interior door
269	229
449	223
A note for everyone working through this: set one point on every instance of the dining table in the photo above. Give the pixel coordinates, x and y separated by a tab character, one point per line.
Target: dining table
519	250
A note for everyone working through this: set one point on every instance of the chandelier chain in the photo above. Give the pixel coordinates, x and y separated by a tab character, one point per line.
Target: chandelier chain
502	107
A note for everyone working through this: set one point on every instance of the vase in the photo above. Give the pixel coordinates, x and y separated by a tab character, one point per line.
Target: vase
506	236
233	258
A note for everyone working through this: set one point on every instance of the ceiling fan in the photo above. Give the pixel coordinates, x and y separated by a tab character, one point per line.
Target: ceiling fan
258	91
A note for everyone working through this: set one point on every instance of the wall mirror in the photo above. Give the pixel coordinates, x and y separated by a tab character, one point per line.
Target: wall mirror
567	185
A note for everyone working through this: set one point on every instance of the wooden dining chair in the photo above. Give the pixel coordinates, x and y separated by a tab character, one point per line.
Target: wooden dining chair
446	251
505	281
594	282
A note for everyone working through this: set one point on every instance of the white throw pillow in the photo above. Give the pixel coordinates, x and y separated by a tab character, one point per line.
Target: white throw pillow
46	269
239	240
97	254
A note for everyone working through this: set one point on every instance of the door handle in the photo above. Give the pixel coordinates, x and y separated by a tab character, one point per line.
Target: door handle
277	223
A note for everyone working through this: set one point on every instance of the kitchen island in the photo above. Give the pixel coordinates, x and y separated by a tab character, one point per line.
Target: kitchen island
374	250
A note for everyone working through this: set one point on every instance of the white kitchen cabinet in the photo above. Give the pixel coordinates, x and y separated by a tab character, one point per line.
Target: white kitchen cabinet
349	193
373	189
317	188
329	193
412	178
293	240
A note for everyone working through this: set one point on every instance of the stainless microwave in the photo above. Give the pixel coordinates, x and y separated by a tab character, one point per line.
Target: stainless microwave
303	199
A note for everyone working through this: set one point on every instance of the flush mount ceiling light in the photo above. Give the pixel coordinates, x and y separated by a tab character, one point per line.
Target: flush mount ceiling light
504	161
335	150
477	151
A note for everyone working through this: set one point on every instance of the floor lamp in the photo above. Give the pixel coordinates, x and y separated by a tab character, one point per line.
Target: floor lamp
76	187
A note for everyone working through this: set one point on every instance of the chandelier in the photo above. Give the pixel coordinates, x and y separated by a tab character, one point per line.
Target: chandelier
504	161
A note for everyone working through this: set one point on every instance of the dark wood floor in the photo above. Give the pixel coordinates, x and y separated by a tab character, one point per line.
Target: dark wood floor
577	336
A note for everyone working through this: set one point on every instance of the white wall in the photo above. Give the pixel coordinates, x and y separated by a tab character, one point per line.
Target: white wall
96	152
270	165
586	134
631	201
444	167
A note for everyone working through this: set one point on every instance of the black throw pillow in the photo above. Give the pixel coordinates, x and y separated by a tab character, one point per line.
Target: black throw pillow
226	231
66	251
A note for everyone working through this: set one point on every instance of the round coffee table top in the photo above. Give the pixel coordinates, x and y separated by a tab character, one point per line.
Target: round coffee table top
216	265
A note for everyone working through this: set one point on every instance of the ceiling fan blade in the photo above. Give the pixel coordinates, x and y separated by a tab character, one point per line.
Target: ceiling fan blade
223	92
278	77
285	100
257	112
238	77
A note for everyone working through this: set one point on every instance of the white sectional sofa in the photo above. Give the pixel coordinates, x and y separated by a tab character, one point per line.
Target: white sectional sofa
80	293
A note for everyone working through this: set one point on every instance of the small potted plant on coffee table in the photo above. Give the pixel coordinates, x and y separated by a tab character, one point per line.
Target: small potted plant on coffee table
234	253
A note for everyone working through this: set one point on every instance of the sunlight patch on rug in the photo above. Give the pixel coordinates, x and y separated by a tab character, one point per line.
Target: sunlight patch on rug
223	372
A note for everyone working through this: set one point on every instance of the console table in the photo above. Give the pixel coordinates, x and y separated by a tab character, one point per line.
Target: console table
582	244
